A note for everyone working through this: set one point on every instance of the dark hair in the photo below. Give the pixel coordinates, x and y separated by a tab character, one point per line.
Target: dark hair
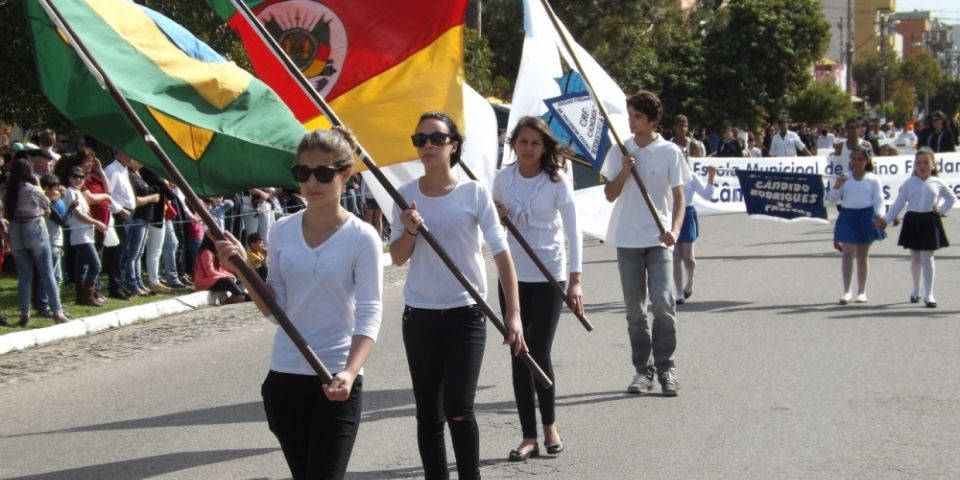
933	160
46	137
680	119
867	153
49	180
207	244
648	104
453	131
254	237
338	141
67	163
20	173
553	159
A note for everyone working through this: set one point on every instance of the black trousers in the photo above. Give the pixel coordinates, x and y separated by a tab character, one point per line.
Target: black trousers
540	309
315	434
111	257
444	352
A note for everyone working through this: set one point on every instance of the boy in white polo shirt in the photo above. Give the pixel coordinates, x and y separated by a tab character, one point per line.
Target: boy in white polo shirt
642	251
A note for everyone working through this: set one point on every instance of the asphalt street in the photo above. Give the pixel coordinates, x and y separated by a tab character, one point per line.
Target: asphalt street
778	381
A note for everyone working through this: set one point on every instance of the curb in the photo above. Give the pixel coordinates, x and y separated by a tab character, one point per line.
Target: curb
79	327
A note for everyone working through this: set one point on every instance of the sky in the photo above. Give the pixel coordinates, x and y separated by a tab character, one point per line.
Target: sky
948	10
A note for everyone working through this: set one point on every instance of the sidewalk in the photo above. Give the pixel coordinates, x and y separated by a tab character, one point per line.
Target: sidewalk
114	319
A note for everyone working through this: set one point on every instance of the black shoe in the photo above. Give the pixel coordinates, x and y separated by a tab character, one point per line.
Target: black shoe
23	321
554	449
119	294
680	301
516	456
642	383
914	299
668	382
931	304
687	294
3	321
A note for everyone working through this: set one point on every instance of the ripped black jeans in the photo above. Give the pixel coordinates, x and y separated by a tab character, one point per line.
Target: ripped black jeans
444	352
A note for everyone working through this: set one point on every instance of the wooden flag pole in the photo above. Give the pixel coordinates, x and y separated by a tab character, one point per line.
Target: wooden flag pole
245	271
525	245
428	236
603	111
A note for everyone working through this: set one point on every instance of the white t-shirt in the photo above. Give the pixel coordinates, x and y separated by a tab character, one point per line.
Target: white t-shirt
456	219
786	146
542	210
121	195
696	186
921	195
661	167
331	292
826	141
862	193
80	232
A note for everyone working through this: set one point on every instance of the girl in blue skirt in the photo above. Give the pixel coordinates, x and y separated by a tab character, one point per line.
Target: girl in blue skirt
683	251
861	195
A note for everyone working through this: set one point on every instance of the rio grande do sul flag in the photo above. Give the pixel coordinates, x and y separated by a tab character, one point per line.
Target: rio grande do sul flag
378	63
224	130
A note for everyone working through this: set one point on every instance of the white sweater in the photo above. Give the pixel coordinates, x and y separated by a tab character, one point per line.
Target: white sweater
542	210
331	293
456	219
921	195
863	193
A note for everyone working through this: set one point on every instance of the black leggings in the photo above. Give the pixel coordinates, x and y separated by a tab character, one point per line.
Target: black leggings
540	309
315	434
444	352
227	285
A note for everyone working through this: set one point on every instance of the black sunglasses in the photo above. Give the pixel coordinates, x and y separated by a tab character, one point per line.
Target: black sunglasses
81	177
322	173
439	139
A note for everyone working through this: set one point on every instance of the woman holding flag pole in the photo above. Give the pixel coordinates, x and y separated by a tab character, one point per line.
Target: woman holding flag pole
322	259
443	330
534	193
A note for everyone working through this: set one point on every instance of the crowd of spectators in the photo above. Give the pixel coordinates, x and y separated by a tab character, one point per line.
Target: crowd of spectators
115	229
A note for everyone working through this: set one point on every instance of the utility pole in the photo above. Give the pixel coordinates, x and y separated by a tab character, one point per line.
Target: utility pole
884	17
849	48
473	15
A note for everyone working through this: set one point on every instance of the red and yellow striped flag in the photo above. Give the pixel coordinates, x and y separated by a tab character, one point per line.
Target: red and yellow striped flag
379	64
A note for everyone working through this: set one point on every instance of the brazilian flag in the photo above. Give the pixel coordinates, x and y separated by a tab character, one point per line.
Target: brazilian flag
225	130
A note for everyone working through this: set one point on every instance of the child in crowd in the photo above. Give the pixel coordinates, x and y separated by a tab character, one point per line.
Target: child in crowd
82	226
209	274
922	231
56	220
257	254
861	196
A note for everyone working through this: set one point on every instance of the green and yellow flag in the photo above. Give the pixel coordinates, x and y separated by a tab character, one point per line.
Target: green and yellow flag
225	130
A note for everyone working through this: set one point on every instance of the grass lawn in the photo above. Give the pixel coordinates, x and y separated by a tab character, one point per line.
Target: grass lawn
10	307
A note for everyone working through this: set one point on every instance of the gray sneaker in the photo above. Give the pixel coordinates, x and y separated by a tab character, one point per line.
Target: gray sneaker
669	384
642	383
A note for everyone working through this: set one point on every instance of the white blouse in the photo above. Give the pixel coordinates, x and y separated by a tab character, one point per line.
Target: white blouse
331	292
456	219
921	195
863	193
542	210
696	185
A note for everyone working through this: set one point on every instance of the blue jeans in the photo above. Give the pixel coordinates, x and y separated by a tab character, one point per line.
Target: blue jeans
31	249
134	242
88	263
168	256
56	255
652	345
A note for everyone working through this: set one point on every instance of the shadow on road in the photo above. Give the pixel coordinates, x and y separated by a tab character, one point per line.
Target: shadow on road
149	466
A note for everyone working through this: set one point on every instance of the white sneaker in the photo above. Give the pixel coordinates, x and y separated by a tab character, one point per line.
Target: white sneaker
845	299
862	298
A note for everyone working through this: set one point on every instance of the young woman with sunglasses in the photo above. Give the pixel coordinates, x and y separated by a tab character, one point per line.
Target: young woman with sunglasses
443	331
325	270
535	194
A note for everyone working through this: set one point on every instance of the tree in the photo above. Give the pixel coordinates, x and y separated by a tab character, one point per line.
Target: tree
947	98
821	102
758	52
479	66
923	71
22	101
868	73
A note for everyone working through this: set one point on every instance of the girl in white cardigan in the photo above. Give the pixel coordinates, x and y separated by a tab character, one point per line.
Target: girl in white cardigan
535	194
